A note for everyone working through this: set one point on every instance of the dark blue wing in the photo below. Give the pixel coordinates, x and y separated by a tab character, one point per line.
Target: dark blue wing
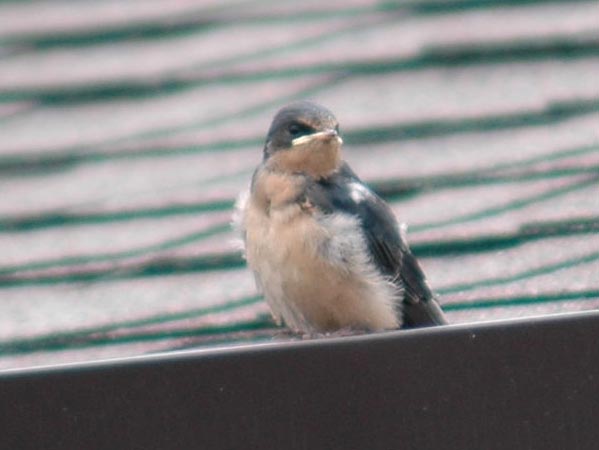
388	250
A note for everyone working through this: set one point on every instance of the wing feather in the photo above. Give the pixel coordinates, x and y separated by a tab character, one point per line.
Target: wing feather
388	249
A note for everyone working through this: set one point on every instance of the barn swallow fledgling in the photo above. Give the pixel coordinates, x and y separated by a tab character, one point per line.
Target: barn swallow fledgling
326	251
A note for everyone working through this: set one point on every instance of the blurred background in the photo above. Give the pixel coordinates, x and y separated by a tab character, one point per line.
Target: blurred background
128	128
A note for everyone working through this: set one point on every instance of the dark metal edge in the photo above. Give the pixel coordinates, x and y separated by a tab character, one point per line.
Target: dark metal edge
522	384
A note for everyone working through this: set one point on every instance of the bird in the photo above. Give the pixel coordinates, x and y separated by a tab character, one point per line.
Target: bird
326	251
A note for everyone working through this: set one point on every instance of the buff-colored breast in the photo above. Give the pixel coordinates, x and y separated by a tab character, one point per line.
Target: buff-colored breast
313	268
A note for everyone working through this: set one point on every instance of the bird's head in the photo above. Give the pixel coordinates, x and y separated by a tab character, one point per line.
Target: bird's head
304	138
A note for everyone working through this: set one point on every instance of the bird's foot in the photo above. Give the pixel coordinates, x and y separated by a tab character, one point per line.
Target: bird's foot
343	332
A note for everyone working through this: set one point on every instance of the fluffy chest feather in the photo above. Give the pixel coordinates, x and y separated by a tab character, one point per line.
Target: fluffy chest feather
314	268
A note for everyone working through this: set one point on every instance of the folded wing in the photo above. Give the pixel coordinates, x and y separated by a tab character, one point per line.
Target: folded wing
389	251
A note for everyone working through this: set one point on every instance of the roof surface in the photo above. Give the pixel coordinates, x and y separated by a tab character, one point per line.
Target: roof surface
128	129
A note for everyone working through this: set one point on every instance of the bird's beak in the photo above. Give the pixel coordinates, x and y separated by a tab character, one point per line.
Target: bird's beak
326	134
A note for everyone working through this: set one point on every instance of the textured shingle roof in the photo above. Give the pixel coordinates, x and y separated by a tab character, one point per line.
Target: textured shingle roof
129	128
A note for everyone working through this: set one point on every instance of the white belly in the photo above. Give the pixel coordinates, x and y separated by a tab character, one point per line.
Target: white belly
315	271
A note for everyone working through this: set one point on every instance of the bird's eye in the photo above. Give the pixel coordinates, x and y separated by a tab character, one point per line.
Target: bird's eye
295	130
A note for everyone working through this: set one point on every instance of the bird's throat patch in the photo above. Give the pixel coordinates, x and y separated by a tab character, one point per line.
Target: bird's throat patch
318	158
